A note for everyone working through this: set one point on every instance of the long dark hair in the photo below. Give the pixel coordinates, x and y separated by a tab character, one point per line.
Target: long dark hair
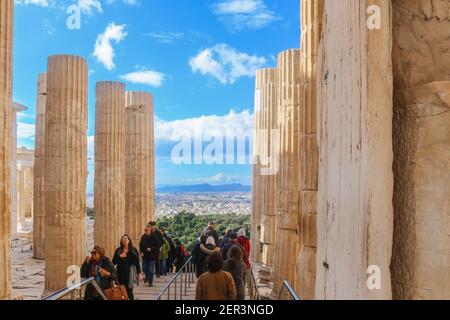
235	256
131	248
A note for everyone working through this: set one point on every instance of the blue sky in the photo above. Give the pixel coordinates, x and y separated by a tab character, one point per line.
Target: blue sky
196	57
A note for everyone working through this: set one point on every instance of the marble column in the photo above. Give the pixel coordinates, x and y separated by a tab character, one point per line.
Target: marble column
139	163
355	211
109	181
6	52
39	170
288	96
421	57
311	19
257	183
266	80
65	167
13	170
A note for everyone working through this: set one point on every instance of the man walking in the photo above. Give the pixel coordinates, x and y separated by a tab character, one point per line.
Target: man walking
149	248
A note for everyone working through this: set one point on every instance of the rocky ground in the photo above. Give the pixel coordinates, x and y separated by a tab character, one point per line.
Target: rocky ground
28	274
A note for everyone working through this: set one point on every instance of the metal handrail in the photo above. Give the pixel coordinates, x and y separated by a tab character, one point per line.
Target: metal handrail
57	295
187	270
291	291
254	290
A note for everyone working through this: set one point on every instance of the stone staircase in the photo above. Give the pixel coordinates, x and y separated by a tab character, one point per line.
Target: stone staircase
144	292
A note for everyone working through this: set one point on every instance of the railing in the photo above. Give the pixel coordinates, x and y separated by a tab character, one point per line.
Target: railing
183	280
291	291
58	295
253	287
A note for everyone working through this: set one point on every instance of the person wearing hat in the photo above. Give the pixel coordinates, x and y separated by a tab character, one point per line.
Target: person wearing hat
211	231
206	250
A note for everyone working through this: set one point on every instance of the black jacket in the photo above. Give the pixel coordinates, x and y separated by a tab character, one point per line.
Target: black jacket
150	241
124	265
88	270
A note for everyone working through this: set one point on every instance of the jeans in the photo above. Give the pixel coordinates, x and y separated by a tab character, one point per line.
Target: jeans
163	270
148	268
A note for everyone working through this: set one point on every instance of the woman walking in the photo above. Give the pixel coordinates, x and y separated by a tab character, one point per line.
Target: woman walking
126	260
101	268
238	269
215	284
206	250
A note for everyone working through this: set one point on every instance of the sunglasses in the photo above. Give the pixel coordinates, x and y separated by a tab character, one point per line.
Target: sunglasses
93	252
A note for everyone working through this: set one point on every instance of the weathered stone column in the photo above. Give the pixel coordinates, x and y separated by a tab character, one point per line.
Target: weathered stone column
421	254
257	184
65	167
6	51
286	245
109	183
17	107
354	222
39	170
266	83
139	163
21	197
311	20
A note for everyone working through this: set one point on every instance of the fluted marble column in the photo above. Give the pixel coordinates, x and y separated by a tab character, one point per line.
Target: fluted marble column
109	183
286	245
311	19
257	184
65	167
421	57
139	163
266	83
6	51
39	170
354	214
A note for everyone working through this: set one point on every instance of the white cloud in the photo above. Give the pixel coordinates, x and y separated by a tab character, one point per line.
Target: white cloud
103	50
91	147
147	77
210	124
40	3
89	6
226	63
25	130
165	37
244	14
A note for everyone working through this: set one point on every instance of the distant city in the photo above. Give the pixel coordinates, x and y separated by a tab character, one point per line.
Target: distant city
201	199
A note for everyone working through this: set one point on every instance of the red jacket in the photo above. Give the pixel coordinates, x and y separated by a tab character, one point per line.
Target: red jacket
245	243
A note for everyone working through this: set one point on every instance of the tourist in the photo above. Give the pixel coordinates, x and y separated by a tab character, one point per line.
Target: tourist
164	257
171	259
238	269
206	250
245	244
126	260
197	258
98	266
215	284
149	247
226	238
233	241
179	255
211	231
159	236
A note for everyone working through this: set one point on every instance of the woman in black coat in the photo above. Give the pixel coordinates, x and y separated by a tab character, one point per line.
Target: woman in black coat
101	268
125	258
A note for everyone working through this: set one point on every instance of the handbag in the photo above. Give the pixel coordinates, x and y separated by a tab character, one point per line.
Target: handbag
117	293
